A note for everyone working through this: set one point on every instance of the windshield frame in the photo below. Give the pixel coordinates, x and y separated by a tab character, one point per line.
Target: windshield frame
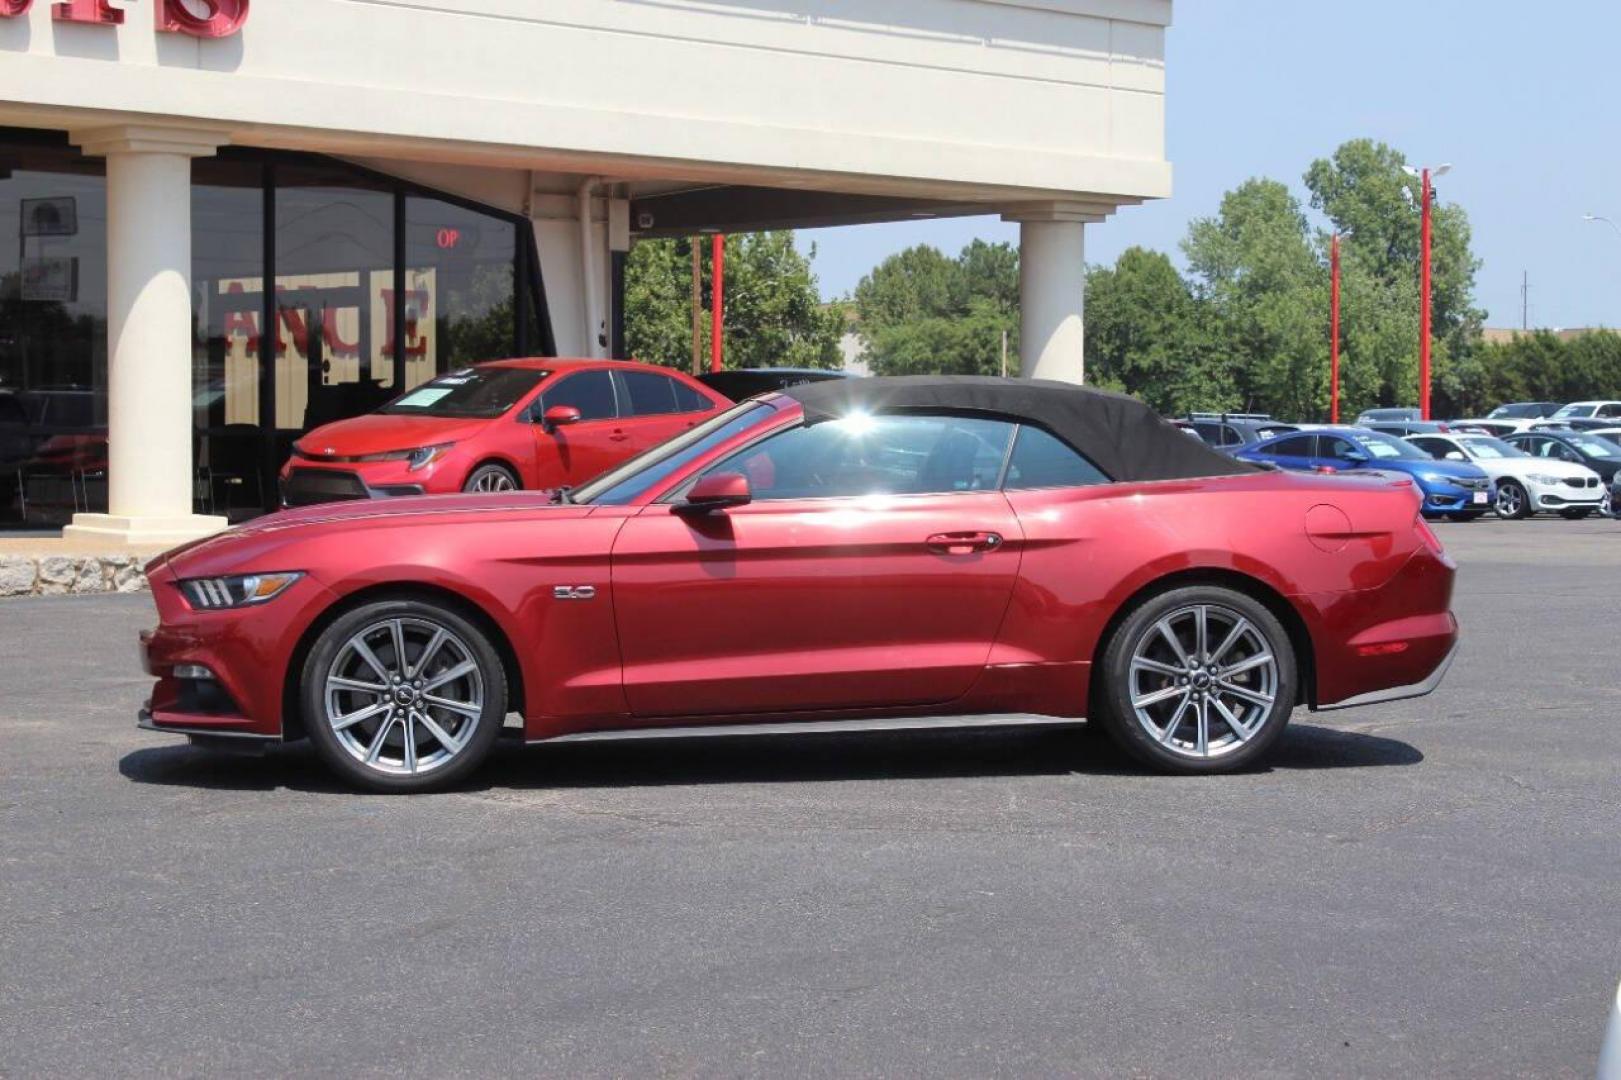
758	410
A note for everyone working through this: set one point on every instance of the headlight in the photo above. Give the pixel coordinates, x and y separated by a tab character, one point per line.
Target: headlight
421	459
1541	478
243	590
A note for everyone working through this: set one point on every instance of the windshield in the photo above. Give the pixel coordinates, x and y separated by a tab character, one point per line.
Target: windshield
1525	410
1575	410
1478	446
1388	447
622	484
1595	447
472	393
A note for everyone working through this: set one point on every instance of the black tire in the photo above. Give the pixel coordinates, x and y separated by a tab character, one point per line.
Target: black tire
1576	515
491	478
462	644
1513	504
1113	696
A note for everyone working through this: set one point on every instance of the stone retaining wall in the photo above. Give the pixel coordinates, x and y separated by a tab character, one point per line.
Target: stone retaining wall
58	575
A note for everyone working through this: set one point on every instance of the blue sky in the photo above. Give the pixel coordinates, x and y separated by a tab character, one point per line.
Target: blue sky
1523	99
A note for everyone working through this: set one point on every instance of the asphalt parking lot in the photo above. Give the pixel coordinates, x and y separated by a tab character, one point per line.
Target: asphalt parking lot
1426	888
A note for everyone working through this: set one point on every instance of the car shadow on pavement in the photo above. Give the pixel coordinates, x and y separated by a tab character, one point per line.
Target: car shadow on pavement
809	758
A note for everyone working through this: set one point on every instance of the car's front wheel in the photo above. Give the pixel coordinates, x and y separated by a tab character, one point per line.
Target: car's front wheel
1512	502
1197	680
490	478
403	695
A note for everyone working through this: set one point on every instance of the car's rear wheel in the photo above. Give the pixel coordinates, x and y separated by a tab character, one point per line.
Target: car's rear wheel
491	478
1198	680
1512	502
403	695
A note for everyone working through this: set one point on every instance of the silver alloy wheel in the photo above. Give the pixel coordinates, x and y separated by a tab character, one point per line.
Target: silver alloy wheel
404	696
1510	500
494	480
1204	681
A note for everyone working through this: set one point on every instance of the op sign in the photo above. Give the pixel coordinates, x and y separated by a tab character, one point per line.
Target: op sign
197	18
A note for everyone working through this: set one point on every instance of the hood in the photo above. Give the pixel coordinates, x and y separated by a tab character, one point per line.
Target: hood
252	545
375	433
1462	470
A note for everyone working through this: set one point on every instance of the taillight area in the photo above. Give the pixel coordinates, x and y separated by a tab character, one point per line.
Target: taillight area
1427	534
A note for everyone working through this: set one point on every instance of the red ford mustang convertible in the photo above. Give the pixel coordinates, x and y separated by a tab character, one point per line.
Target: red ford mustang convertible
862	553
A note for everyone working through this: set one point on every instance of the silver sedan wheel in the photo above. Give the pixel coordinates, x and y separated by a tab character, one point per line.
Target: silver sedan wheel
1510	500
1204	681
404	696
494	480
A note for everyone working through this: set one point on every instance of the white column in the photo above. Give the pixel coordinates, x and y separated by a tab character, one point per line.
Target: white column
149	334
1052	292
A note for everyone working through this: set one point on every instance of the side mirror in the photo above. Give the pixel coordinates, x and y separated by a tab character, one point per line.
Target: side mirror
1455	455
560	416
717	491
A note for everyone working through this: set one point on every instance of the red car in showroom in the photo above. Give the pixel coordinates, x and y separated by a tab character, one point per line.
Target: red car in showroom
500	426
861	553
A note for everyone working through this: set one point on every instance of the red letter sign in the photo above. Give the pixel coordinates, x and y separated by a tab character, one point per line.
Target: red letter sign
87	11
224	18
9	8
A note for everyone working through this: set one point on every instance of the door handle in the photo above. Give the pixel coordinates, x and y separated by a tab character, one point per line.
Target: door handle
963	543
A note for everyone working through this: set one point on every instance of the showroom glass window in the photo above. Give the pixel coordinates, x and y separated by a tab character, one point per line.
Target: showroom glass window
53	330
460	286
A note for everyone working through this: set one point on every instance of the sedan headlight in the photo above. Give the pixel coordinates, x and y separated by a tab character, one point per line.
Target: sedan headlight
242	590
427	455
1543	478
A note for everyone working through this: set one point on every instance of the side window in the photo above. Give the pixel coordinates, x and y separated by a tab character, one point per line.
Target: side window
1562	452
1210	433
689	400
1041	460
1610	410
1335	447
650	394
1436	448
875	455
592	392
1299	446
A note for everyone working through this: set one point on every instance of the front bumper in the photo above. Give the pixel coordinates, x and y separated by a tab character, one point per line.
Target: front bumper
1564	496
304	486
1448	499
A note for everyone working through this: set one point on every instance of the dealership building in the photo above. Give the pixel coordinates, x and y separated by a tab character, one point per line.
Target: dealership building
237	221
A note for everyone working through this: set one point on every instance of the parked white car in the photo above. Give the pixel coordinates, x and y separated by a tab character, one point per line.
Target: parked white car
1582	410
1525	484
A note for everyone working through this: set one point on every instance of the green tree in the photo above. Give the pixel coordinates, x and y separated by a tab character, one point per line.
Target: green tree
1365	192
920	312
774	313
1147	335
1257	270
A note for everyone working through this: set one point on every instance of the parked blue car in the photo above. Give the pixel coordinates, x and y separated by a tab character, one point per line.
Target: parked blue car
1451	489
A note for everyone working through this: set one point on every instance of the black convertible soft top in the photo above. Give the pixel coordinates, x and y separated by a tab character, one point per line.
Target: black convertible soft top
1121	435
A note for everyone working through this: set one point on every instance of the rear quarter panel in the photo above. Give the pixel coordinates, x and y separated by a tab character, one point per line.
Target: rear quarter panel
1088	552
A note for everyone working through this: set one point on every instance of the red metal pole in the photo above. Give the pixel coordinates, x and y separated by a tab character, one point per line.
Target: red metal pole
1424	309
1334	333
717	323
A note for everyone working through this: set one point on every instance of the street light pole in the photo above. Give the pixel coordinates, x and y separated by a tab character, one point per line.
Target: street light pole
1334	331
1605	220
1424	283
1424	318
